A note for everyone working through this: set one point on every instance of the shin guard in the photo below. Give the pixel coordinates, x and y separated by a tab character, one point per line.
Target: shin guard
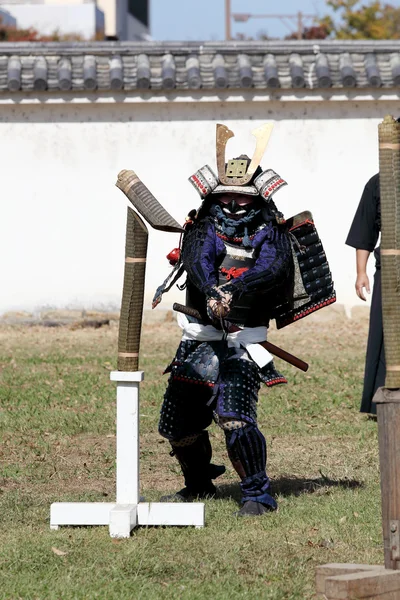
248	451
195	462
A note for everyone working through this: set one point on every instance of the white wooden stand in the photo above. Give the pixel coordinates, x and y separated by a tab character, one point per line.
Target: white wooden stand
127	512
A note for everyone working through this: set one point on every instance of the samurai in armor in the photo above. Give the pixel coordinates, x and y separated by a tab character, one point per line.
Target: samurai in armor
238	255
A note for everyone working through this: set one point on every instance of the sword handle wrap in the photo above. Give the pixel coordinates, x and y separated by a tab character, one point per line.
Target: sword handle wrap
190	312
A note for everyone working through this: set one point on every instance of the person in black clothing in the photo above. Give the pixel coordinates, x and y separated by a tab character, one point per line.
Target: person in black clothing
363	235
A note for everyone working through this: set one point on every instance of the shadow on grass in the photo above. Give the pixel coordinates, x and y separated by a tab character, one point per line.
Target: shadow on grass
292	486
295	486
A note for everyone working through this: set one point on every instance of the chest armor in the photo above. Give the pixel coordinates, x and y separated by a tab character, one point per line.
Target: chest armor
236	260
247	310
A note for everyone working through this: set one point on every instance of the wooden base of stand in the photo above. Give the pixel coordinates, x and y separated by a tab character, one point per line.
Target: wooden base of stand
354	582
123	518
127	512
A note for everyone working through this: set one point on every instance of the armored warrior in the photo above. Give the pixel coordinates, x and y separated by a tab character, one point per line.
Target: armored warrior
242	270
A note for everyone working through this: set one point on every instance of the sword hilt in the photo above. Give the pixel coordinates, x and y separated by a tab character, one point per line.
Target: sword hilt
190	312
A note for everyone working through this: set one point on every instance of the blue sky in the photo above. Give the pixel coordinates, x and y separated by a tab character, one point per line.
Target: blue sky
205	20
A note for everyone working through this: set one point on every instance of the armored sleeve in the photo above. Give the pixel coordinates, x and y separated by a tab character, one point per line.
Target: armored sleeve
364	231
199	255
271	268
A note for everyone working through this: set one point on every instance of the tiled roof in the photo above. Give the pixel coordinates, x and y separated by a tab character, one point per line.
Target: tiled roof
138	66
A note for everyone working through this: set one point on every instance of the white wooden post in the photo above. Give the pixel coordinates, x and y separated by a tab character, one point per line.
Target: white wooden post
127	435
127	512
123	518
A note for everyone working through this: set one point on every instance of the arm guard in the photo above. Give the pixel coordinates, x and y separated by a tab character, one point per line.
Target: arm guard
270	269
199	256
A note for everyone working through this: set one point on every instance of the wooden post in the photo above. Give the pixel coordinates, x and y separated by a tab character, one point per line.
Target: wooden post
388	409
388	398
228	16
130	320
384	584
389	167
299	25
124	517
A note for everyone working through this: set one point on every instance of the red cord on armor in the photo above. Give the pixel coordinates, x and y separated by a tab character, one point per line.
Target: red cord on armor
189	380
236	239
306	222
275	381
233	272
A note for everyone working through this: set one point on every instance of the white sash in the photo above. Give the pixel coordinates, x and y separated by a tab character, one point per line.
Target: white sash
248	338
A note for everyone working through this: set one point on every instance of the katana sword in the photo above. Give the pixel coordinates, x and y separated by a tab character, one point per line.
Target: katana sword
231	328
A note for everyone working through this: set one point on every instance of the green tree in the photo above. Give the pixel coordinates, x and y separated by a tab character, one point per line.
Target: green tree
360	21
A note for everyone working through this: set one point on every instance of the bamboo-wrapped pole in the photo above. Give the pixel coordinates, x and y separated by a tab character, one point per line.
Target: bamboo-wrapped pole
130	323
145	203
389	167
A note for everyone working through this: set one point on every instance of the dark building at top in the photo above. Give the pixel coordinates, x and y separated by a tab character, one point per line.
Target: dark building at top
139	9
138	20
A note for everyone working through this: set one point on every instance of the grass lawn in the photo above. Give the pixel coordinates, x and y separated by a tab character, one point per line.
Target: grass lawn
57	421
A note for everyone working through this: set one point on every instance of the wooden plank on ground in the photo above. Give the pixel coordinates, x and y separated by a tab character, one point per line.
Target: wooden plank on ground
333	569
377	584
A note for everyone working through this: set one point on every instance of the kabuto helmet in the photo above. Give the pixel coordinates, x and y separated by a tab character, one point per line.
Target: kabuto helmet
240	175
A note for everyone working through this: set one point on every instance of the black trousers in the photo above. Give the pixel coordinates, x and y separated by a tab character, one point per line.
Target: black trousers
375	365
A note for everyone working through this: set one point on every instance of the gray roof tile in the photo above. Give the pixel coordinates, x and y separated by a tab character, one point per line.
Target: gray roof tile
14	69
39	74
134	66
322	72
89	72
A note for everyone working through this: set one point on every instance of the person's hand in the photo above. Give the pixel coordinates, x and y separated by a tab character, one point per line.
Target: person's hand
220	308
362	282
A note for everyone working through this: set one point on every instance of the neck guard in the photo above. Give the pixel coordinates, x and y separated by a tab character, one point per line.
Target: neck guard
233	227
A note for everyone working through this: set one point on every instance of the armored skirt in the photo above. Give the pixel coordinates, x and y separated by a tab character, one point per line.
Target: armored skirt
209	380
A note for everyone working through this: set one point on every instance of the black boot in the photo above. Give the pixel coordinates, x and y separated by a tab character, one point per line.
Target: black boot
253	509
197	470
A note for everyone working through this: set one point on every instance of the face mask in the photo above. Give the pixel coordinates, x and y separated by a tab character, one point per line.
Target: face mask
236	206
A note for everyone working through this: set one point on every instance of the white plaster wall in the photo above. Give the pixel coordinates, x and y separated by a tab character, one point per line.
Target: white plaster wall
64	18
14	2
64	2
63	221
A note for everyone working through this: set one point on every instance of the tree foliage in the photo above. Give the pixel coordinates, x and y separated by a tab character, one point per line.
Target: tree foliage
13	34
314	32
360	21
